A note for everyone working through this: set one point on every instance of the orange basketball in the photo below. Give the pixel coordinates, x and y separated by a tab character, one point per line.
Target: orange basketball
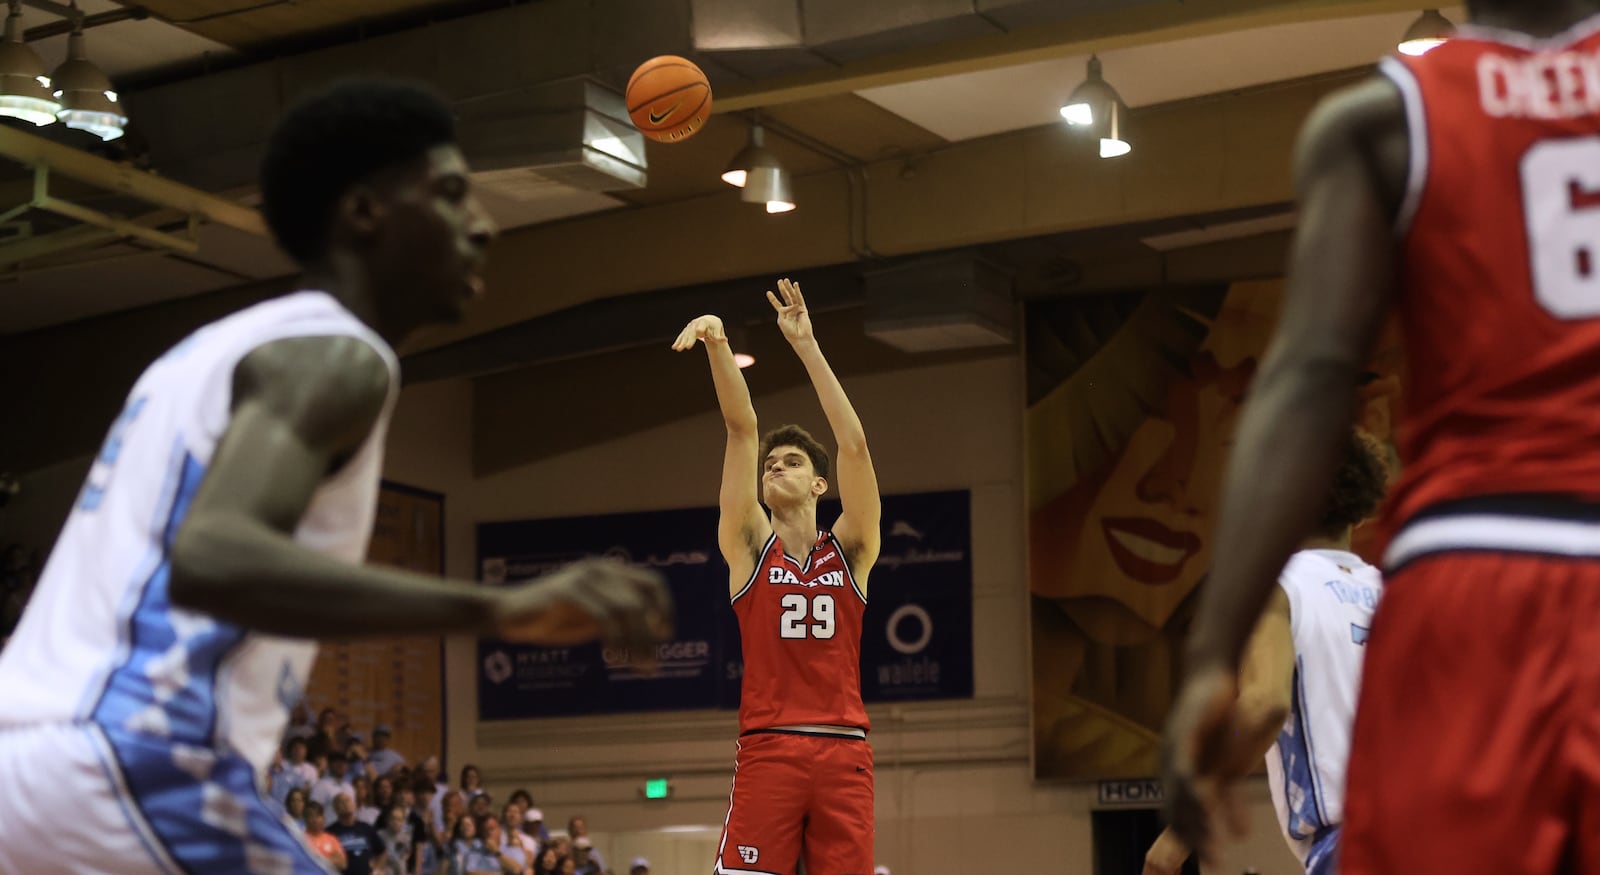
669	98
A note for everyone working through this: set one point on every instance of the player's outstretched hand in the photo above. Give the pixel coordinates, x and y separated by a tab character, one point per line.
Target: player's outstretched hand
589	599
1166	856
1202	760
793	319
707	328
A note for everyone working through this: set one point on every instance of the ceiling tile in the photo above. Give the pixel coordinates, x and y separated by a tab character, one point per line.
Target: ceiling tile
979	104
855	126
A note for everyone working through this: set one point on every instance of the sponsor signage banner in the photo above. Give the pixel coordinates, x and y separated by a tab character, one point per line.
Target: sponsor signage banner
916	644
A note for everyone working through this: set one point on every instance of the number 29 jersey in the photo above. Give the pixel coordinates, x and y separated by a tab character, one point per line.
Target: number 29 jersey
800	624
1499	299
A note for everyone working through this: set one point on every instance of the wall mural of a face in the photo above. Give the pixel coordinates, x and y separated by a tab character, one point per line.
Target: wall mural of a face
1116	556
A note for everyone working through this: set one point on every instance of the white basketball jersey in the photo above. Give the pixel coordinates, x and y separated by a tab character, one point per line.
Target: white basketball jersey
1332	595
100	640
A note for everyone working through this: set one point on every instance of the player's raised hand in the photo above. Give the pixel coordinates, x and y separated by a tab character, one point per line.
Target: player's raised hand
587	600
1202	761
793	320
707	328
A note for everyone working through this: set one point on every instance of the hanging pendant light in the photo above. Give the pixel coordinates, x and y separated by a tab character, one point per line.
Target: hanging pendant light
1095	105
739	342
1428	32
88	102
24	88
1112	145
757	170
1091	100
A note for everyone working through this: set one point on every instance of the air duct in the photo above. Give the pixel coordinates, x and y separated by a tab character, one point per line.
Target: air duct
574	132
952	301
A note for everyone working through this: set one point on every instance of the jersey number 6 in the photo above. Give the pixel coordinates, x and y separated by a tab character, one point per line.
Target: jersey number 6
1561	203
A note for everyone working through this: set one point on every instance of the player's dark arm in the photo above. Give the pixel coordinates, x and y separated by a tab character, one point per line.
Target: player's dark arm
1266	692
1342	277
300	406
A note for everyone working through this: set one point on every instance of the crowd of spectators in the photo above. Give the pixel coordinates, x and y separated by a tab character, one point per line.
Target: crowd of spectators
394	818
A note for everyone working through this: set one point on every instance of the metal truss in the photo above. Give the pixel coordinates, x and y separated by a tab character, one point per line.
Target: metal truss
174	202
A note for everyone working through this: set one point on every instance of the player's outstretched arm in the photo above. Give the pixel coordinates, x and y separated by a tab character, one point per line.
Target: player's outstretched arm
1266	686
742	528
301	407
857	528
1343	275
1266	691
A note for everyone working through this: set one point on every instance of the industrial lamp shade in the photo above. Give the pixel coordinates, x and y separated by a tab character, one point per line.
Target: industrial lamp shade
771	186
88	102
1114	142
1097	107
1428	32
739	342
755	156
1091	102
761	175
24	87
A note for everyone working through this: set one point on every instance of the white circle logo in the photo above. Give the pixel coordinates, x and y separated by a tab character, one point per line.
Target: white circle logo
909	648
497	667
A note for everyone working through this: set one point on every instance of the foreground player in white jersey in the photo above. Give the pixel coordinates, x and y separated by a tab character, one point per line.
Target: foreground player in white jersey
223	524
1302	673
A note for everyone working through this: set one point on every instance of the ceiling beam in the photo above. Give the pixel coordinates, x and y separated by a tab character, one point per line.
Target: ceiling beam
34	151
514	413
74	239
648	319
1261	256
1079	35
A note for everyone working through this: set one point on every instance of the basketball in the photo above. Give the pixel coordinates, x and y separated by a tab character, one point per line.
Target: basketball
669	98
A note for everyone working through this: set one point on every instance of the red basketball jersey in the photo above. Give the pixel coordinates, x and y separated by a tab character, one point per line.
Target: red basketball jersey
1500	292
800	623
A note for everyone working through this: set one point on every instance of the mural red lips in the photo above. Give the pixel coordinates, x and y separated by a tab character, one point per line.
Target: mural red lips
1148	551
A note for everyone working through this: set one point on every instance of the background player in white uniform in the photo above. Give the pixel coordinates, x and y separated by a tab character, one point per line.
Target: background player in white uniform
224	521
1301	673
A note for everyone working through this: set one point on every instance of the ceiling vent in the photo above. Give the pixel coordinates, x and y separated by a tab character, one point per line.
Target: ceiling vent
574	132
955	301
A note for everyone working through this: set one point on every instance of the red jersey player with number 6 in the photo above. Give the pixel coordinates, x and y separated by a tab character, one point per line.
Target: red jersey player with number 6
1459	190
803	775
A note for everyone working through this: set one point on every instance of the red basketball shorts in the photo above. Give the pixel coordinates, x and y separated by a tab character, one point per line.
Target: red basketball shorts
799	796
1476	745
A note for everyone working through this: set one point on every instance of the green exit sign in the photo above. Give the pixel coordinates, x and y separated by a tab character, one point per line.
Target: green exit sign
657	788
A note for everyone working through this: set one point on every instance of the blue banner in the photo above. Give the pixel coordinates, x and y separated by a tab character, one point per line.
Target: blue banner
916	641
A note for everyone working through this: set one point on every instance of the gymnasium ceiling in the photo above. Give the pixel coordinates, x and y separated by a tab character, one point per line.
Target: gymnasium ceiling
910	125
854	83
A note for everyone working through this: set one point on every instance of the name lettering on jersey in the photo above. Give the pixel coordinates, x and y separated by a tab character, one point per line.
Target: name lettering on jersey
1558	85
787	577
1352	594
1359	634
